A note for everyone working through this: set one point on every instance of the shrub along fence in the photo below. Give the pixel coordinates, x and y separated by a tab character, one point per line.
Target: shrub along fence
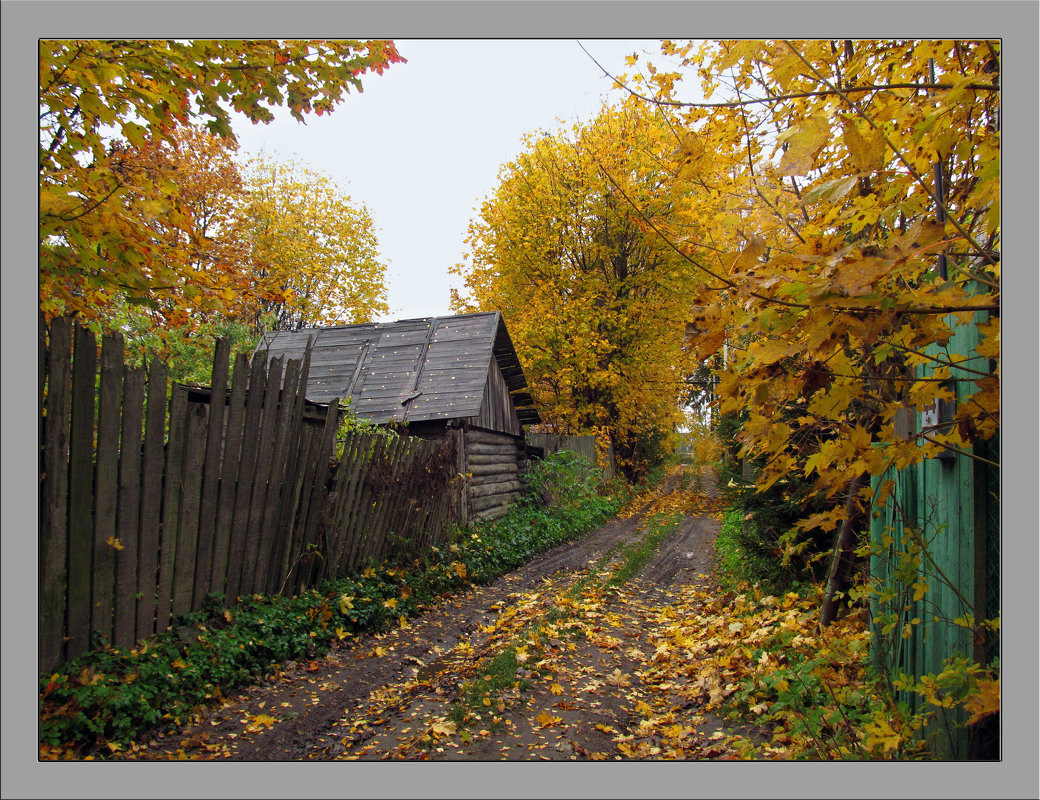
586	446
155	495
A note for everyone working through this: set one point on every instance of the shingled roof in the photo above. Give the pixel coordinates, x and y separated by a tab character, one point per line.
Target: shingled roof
411	370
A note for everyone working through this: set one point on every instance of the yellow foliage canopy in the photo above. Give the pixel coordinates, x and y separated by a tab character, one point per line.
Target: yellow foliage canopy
595	301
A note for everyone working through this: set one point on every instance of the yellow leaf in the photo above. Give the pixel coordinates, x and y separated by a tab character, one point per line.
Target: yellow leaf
804	143
984	702
443	728
546	720
880	734
460	569
556	688
259	722
179	663
867	148
618	678
112	541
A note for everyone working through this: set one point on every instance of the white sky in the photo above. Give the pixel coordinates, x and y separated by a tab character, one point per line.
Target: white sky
421	147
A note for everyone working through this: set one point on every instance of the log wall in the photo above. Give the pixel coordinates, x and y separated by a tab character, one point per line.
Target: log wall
493	466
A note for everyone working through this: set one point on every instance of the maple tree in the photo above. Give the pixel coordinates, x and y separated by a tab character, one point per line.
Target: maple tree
98	208
312	253
851	195
595	302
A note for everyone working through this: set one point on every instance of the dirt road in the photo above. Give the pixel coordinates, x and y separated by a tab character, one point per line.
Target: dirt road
549	662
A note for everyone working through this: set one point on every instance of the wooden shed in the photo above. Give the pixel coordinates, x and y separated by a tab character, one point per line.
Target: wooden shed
452	377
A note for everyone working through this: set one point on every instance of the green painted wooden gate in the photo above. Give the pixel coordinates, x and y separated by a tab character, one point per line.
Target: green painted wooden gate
947	511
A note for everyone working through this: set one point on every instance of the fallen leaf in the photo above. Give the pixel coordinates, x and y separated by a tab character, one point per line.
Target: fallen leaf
546	720
618	678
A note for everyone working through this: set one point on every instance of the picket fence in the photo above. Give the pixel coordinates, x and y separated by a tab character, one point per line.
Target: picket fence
155	495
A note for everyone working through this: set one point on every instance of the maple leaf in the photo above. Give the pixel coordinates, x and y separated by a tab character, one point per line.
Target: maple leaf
259	722
556	688
618	678
443	728
880	734
547	720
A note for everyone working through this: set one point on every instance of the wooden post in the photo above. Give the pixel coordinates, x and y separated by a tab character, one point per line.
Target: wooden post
130	471
151	500
270	534
246	465
265	436
106	485
229	473
81	490
54	496
172	490
211	478
186	552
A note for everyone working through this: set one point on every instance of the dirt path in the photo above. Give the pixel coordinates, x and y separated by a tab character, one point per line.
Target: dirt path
578	649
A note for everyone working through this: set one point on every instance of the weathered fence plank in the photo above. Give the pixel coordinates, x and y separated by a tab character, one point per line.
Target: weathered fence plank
211	477
334	533
186	552
54	496
246	470
233	433
316	502
292	485
106	484
172	490
269	533
355	468
264	458
151	499
81	489
129	507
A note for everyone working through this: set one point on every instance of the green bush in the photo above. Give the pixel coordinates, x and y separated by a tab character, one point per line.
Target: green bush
759	542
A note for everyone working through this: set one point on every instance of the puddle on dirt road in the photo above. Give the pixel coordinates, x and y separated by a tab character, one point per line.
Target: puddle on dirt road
439	666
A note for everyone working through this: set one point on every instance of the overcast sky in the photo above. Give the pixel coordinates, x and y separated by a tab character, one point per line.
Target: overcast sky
422	145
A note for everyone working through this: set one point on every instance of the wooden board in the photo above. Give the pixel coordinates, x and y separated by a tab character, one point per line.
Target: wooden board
81	489
53	505
128	533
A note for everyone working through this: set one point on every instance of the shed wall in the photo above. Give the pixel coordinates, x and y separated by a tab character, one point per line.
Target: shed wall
496	409
492	462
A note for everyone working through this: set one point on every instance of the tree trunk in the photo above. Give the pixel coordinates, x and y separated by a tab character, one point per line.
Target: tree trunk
839	575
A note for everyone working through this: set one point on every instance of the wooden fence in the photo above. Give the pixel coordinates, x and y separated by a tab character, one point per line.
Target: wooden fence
586	446
155	495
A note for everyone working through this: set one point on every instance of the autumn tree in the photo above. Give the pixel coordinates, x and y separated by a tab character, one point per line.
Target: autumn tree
595	303
851	191
312	253
99	100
